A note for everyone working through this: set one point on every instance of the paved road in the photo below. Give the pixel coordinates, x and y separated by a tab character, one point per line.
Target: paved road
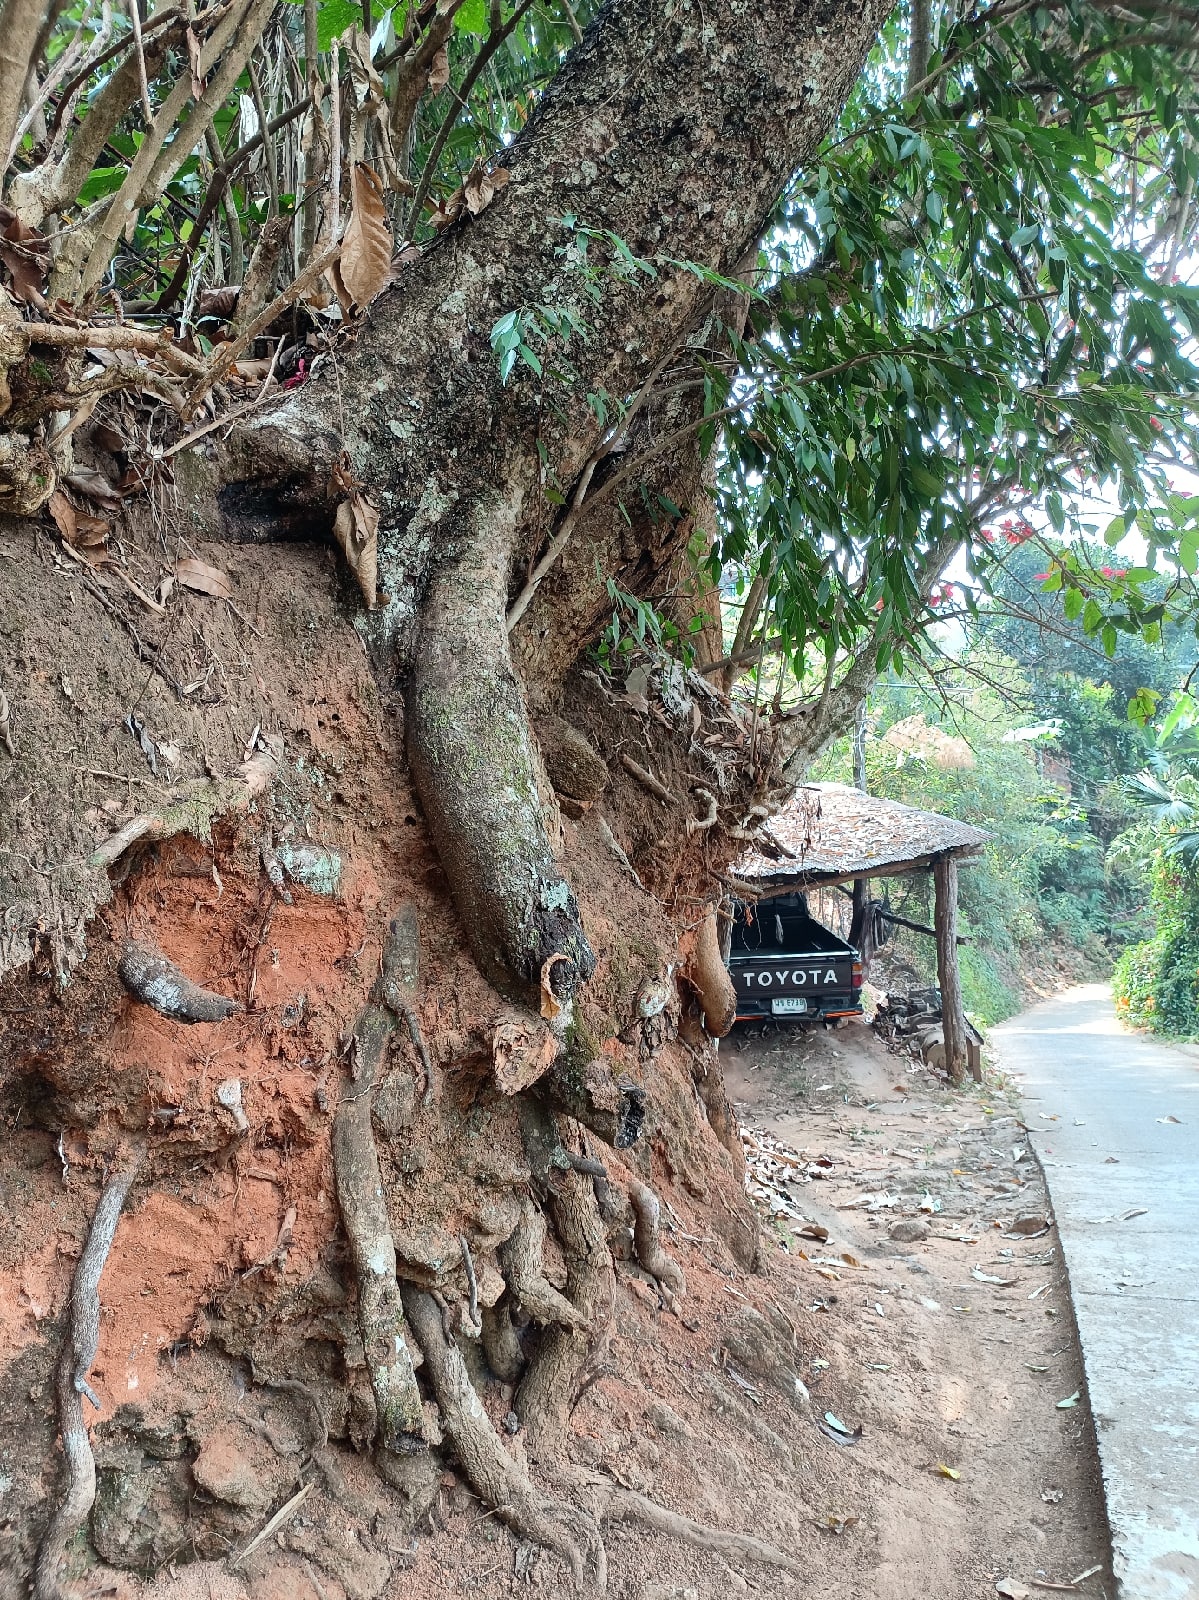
1129	1229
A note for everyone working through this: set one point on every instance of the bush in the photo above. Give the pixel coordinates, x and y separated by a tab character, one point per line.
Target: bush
1156	983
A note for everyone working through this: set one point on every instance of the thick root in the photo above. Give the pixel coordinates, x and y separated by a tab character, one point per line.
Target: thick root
613	1504
75	1359
495	1477
709	977
614	1111
646	1213
360	1195
477	770
157	982
501	1344
527	1283
544	1399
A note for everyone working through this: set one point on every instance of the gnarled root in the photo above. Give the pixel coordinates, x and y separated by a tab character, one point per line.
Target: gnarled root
492	1473
613	1504
520	1260
399	985
75	1359
646	1213
709	977
501	1345
544	1399
476	768
197	806
360	1195
614	1111
157	982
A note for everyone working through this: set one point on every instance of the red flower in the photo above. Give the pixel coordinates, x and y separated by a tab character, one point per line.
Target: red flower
1040	576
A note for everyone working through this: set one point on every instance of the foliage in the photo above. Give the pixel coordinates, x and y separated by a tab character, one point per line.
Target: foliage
1157	983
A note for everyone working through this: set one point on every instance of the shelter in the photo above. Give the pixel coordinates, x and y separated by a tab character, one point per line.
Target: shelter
831	834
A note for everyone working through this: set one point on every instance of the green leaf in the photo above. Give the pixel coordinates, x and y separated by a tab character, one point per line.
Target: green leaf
333	17
471	17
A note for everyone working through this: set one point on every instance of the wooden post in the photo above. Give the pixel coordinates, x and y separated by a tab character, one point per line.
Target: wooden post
945	921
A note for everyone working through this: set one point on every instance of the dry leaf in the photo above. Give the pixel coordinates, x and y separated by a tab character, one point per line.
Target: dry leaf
551	1006
1011	1590
220	304
523	1049
26	255
85	480
63	512
439	71
947	1472
357	528
365	262
198	575
481	186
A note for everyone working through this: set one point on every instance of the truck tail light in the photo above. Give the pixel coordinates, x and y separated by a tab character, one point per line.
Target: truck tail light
857	974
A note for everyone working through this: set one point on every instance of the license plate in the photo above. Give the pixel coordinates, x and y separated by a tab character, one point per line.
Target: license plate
784	1008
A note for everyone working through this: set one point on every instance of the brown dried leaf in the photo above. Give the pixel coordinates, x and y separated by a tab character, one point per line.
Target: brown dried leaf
551	1006
198	575
366	249
63	512
86	480
26	255
106	437
356	526
218	303
482	186
439	71
522	1049
92	532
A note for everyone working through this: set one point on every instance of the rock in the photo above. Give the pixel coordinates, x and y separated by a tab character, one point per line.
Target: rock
1029	1224
228	1474
573	766
910	1231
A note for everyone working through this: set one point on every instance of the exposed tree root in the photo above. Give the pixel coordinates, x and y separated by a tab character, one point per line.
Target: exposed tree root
479	774
399	985
360	1195
543	1401
709	977
646	1213
520	1259
75	1359
157	982
613	1111
493	1474
613	1504
197	806
501	1345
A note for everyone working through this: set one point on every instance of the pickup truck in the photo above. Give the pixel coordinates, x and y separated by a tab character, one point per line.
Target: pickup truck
783	963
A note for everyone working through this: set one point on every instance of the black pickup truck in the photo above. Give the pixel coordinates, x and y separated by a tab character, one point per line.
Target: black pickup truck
783	963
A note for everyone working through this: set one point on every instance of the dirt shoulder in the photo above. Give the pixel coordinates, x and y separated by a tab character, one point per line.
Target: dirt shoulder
947	1368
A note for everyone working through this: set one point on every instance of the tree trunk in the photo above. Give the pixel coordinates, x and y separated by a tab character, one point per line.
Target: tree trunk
945	920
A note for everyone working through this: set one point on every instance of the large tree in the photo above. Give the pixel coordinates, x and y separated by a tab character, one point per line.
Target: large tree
789	298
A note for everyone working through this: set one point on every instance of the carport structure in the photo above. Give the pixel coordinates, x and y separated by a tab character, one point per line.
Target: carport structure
830	834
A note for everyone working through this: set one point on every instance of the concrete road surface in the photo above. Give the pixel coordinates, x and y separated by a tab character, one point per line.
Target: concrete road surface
1122	1161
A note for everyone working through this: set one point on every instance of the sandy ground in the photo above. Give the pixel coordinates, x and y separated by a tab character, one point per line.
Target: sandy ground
954	1369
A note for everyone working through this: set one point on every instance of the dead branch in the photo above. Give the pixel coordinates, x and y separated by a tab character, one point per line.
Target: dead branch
197	806
493	1474
157	982
709	818
613	1504
647	780
364	1213
646	1214
143	340
79	1345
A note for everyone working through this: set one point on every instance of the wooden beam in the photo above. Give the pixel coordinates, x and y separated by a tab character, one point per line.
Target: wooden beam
945	921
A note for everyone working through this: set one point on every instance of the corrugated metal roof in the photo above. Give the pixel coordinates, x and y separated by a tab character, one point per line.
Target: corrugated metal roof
829	831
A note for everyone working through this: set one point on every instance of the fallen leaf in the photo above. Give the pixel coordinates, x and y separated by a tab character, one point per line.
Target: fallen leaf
1089	1573
947	1472
813	1230
988	1277
63	512
1052	1497
481	186
1070	1401
1011	1590
1137	1211
835	1422
1176	1120
551	1006
1029	1224
147	746
365	261
837	1524
27	256
198	575
356	526
836	1430
85	480
220	304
